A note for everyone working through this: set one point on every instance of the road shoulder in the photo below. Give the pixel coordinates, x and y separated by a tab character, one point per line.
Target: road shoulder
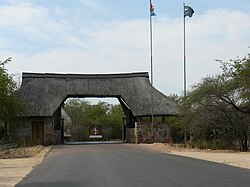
14	170
233	158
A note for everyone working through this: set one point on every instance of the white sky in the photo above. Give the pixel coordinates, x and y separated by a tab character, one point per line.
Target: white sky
108	36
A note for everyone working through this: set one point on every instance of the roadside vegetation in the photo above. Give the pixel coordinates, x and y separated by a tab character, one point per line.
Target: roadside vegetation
10	105
84	114
216	112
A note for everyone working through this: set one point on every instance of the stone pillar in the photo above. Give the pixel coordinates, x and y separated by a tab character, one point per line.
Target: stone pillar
51	136
48	131
130	135
143	133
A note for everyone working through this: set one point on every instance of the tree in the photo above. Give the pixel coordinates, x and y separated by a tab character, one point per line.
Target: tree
178	123
218	108
115	118
10	105
76	108
84	115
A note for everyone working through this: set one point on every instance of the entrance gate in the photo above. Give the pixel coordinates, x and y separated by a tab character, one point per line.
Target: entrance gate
44	93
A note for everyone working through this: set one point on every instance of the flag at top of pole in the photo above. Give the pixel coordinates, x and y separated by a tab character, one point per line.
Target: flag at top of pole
152	13
188	11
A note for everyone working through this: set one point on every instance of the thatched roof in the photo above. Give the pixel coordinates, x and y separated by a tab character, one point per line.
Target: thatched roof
44	93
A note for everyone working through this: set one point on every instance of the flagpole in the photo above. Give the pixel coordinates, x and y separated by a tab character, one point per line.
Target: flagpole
151	46
184	68
151	71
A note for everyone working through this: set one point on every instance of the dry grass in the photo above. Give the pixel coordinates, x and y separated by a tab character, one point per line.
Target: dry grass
21	152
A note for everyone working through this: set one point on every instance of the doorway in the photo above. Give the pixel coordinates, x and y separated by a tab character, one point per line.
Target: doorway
37	133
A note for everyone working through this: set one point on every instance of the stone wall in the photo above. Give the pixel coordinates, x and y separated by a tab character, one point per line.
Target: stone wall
130	135
19	132
142	133
51	136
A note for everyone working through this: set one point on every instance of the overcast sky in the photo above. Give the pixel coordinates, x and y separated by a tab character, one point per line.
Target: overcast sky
112	36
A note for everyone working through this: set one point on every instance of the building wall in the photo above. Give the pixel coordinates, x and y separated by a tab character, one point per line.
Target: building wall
19	131
51	136
142	133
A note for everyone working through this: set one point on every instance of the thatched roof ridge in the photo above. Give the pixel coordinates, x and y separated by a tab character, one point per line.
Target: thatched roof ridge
43	93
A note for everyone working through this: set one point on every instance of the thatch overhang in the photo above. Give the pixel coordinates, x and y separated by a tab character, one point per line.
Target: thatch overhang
43	93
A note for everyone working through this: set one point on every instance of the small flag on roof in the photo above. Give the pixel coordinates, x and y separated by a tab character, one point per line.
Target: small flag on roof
188	11
152	13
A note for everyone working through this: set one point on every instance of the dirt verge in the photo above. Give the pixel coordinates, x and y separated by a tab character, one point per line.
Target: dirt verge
15	164
233	158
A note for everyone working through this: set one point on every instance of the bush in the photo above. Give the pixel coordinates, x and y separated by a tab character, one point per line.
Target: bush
214	145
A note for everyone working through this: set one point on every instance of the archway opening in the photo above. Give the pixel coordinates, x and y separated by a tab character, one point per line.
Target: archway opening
85	119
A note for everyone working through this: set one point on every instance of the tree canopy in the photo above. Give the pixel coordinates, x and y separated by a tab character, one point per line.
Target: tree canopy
217	109
83	115
10	106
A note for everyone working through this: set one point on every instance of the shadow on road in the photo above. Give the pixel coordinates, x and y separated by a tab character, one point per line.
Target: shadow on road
93	142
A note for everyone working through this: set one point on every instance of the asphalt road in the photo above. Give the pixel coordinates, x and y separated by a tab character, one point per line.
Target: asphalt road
129	165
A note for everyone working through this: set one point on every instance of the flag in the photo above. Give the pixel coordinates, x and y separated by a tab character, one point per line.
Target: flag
152	13
188	11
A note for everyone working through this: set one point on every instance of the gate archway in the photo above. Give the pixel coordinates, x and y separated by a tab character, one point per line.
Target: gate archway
44	93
